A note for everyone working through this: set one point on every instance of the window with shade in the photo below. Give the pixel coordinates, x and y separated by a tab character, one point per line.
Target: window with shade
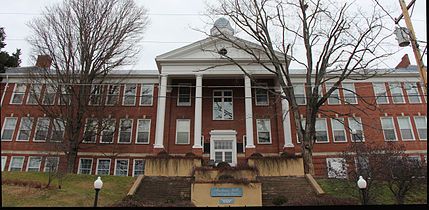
25	127
388	129
264	131
334	98
356	130
421	126
18	93
9	125
146	98
125	130
412	92
138	167
85	166
16	163
396	91
380	93
183	131
34	94
299	91
349	92
121	167
42	128
143	131
129	95
338	130
321	131
184	95
405	128
34	164
103	167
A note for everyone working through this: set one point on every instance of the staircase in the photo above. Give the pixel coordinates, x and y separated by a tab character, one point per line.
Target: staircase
164	190
293	188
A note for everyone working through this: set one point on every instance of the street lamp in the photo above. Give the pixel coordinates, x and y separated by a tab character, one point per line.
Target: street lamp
362	186
98	184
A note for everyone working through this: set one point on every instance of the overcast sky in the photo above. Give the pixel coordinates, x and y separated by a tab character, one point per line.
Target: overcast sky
171	23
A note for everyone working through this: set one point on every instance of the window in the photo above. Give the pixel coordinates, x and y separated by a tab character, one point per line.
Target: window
125	130
49	97
380	93
121	168
223	151
405	128
108	131
143	132
90	134
422	86
334	98
25	129
130	95
421	126
321	131
66	93
222	105
16	163
18	94
3	162
183	131
396	91
261	96
337	168
138	167
95	98
338	130
355	125
146	95
58	129
362	166
34	164
388	128
349	93
51	164
9	125
184	95
264	131
103	167
42	128
112	95
85	166
299	91
412	92
34	94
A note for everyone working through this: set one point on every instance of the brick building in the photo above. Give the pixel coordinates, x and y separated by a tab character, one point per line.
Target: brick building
194	104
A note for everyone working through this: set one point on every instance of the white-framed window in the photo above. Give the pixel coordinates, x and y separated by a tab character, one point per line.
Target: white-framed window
184	95
405	128
125	130
49	96
421	127
336	167
108	131
85	166
16	163
58	130
355	125
299	91
223	151
261	96
51	164
130	91
25	127
18	93
34	94
321	131
9	126
3	162
121	167
146	98
396	91
412	92
34	163
90	133
138	168
338	130
42	129
222	105
65	94
143	131
349	93
388	127
183	130
96	92
334	98
103	167
264	131
112	95
380	93
422	86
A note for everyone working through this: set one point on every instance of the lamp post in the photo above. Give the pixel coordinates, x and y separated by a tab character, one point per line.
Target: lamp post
98	184
362	186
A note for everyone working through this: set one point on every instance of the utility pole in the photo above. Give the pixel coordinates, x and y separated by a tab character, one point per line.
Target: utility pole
413	40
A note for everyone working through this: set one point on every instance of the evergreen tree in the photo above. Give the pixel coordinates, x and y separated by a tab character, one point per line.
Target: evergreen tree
7	60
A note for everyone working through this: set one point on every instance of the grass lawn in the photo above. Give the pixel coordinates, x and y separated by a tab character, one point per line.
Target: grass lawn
382	194
77	190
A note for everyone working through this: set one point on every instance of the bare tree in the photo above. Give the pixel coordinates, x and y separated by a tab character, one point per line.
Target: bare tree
86	41
338	46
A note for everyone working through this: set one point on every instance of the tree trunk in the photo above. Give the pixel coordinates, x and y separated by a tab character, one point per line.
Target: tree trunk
307	156
71	160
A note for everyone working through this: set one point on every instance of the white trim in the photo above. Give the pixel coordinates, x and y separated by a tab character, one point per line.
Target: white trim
3	165
46	161
4	125
417	128
137	131
394	128
330	85
128	166
303	88
110	165
223	99
134	166
361	127
269	127
90	170
266	93
142	155
333	129
411	128
326	129
188	131
14	93
28	162
382	84
31	86
4	91
151	94
108	94
36	129
119	131
345	91
415	87
184	85
13	157
224	135
402	92
135	95
19	129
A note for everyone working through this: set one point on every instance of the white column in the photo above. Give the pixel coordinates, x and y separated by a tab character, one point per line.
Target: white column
286	122
160	116
249	113
198	111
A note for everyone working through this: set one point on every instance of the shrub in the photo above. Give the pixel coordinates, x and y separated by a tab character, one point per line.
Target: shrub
190	154
280	200
223	165
256	155
288	155
163	153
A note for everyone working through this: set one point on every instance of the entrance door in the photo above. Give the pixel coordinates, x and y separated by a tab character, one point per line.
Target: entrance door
223	147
